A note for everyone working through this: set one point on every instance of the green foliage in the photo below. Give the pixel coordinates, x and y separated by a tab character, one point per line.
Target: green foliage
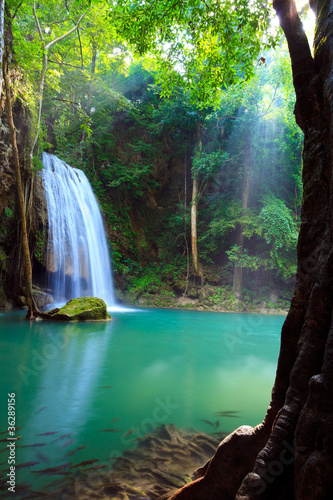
276	248
131	177
242	258
8	212
132	126
123	266
204	46
160	278
277	223
149	282
208	164
279	230
40	246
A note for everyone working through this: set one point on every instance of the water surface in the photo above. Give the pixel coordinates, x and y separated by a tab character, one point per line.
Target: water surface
143	368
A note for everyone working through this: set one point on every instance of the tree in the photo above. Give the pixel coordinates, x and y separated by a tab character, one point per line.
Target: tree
4	76
199	46
245	193
46	48
205	165
2	38
34	46
289	455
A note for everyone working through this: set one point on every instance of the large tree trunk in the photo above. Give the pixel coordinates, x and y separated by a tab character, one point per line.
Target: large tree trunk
290	455
21	205
2	39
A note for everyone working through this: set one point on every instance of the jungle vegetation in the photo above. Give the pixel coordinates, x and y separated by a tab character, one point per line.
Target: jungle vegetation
192	151
165	109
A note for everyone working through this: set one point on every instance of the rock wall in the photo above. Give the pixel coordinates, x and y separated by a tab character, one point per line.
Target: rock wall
7	201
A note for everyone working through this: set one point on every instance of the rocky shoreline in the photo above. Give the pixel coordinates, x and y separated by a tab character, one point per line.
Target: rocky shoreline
171	302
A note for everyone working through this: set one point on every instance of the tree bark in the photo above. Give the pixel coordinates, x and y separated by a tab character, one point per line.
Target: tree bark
21	205
290	455
194	245
194	209
2	40
246	183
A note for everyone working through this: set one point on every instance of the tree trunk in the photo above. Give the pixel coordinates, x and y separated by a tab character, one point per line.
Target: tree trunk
90	91
194	245
2	40
21	206
246	183
194	209
290	455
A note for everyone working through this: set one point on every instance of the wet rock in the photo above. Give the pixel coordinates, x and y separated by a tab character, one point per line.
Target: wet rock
41	298
81	309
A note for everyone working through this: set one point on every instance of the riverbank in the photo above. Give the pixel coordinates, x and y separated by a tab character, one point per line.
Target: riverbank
208	299
263	293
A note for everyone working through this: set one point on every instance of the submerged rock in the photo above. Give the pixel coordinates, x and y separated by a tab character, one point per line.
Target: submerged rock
80	309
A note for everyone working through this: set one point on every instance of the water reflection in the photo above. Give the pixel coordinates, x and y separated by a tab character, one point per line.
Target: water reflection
138	370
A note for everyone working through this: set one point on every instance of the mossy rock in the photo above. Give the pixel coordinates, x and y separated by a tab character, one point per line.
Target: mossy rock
81	309
192	293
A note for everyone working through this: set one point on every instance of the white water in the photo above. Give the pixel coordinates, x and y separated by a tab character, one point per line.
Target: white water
78	261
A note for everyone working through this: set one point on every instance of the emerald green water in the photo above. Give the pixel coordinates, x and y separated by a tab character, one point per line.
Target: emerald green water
163	366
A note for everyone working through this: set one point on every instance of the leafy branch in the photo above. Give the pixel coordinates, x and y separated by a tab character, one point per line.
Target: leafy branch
46	47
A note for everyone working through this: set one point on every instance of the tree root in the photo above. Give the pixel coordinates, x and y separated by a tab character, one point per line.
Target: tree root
224	473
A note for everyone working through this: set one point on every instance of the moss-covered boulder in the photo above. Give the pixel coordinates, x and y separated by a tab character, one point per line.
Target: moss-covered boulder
80	309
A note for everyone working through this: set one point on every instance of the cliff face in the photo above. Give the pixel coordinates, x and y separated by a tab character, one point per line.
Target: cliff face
7	202
11	266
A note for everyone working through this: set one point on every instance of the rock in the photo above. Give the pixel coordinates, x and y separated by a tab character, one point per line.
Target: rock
192	293
186	302
20	301
4	303
80	309
274	296
3	259
41	298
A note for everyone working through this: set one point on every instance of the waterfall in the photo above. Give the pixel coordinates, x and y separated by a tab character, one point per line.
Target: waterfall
78	262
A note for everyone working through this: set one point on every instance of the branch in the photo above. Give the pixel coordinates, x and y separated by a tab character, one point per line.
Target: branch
65	35
61	63
81	52
45	61
302	62
38	25
76	105
67	101
16	11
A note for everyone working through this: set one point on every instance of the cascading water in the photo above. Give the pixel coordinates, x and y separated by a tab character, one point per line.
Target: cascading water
78	261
